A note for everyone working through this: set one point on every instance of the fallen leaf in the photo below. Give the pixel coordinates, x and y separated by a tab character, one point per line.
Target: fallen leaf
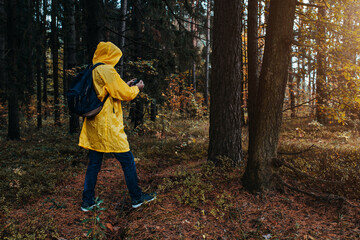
109	226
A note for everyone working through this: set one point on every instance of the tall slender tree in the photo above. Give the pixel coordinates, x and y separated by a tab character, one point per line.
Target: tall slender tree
38	64
122	33
194	30
55	59
320	72
12	83
260	174
225	89
70	49
2	45
207	60
43	54
253	75
95	22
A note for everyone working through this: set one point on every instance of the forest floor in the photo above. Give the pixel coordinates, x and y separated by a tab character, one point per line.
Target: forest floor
196	200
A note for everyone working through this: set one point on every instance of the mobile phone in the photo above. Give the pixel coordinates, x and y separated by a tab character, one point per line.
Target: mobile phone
135	82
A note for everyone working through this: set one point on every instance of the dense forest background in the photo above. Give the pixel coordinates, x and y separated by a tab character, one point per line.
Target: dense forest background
241	98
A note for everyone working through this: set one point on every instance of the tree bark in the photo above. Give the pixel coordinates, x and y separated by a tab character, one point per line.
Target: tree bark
2	45
94	11
43	53
194	43
28	56
225	89
55	58
70	35
12	83
122	32
253	75
137	25
259	173
38	65
207	63
320	73
291	92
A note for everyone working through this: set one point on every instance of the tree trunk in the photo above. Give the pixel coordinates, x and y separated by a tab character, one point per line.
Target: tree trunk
122	32
138	109
94	11
38	65
70	35
225	89
137	25
55	58
43	53
253	75
207	63
291	92
320	73
243	96
12	94
194	43
259	174
2	45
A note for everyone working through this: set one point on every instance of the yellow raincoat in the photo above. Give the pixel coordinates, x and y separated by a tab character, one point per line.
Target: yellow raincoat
105	131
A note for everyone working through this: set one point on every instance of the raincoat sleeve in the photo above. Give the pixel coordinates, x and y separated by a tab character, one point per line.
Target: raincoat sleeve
117	88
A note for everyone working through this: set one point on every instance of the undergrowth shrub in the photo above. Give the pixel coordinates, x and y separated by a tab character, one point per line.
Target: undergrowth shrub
191	188
33	228
186	142
34	166
329	155
223	204
222	171
194	188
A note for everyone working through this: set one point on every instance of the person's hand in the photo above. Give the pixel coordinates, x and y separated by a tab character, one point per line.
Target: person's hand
140	85
129	83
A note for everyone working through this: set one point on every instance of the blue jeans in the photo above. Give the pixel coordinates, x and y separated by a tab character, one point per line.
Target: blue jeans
128	165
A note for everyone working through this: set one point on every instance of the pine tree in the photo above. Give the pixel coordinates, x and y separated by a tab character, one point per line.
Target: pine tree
225	89
260	174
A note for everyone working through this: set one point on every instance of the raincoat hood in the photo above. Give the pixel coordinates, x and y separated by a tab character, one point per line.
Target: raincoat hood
108	53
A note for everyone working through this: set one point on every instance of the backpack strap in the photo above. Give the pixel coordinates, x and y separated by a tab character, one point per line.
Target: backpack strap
96	64
92	68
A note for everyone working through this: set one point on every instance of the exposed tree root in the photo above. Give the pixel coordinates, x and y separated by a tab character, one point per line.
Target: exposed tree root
331	197
280	162
297	153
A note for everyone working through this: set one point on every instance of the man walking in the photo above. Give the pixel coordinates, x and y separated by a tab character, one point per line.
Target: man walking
104	133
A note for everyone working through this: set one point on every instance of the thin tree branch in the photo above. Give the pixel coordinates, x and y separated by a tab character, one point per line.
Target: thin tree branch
308	4
299	104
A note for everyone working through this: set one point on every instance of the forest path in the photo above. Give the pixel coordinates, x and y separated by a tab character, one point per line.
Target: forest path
228	213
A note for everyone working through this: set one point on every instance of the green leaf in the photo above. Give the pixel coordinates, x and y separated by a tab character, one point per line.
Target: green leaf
89	232
85	220
97	218
102	225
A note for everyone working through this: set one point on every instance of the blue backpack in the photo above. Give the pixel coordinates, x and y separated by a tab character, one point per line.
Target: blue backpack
81	97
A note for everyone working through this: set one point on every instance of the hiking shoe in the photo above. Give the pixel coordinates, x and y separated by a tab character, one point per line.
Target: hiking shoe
85	207
144	199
